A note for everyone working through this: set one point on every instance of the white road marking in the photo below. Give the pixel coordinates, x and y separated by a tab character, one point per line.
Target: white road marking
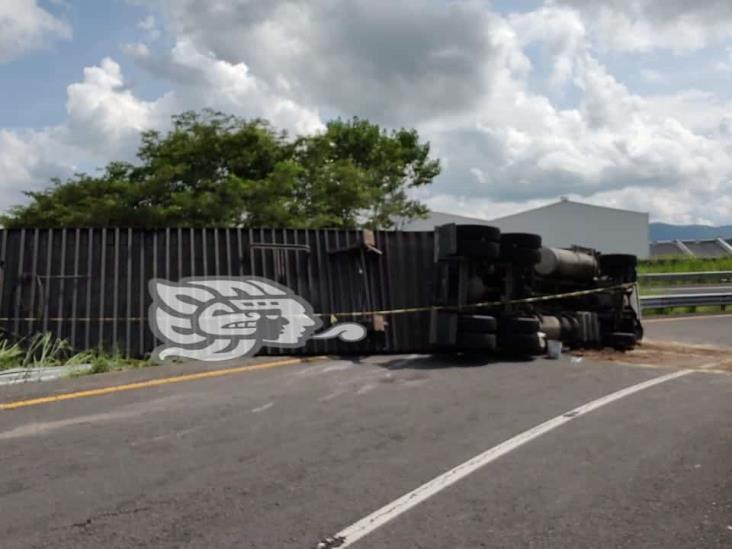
263	408
336	368
378	518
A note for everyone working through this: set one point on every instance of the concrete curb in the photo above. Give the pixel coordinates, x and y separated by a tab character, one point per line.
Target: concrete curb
44	373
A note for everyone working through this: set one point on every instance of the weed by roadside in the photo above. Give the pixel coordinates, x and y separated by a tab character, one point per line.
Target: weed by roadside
103	362
665	311
46	350
685	265
681	265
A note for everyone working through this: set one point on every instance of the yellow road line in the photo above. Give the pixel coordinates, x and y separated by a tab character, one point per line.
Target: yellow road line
149	383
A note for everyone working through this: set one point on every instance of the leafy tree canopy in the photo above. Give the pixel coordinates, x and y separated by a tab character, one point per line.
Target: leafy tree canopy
212	169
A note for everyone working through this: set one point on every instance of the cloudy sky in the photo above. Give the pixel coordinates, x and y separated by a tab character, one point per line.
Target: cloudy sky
624	103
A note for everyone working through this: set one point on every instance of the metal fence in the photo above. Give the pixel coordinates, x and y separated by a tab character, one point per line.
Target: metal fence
694	297
686	300
89	286
699	277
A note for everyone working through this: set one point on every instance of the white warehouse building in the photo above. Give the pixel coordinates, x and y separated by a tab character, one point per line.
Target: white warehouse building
563	224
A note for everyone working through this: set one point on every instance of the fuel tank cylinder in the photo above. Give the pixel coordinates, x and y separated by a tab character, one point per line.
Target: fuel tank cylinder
568	264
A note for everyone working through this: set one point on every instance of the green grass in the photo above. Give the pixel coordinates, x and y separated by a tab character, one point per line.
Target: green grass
104	362
680	265
666	311
684	265
43	349
11	356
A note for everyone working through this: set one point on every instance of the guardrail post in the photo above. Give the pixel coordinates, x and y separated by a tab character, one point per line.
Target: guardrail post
724	245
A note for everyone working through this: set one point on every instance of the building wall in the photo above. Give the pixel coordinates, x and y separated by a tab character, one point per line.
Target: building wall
564	224
568	223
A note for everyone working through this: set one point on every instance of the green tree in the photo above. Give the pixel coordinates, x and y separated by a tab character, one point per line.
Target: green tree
211	169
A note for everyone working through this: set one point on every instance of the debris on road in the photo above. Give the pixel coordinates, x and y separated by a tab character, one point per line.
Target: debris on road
670	354
330	543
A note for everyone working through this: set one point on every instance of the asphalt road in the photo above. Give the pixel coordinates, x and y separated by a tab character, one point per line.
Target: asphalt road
287	456
695	329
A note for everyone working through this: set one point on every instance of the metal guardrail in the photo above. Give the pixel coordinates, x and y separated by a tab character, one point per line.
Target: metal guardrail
708	276
690	299
685	300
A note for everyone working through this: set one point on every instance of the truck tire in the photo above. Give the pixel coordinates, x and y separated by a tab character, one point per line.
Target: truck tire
478	232
522	344
524	325
473	341
622	341
478	249
617	261
522	240
477	323
520	256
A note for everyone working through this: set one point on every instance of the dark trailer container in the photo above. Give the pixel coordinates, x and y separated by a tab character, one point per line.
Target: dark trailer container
90	286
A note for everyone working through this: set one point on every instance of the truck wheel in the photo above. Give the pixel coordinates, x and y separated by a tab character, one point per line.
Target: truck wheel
477	323
478	249
526	325
520	256
478	232
522	344
622	341
522	240
475	341
617	261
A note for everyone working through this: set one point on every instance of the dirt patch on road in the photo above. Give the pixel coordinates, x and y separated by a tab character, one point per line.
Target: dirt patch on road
664	353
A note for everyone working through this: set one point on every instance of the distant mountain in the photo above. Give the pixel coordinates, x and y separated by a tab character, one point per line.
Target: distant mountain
664	231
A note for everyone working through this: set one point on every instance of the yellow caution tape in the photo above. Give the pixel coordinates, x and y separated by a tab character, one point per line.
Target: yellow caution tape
483	303
334	316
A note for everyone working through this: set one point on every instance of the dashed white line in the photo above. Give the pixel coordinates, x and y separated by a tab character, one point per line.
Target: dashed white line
378	518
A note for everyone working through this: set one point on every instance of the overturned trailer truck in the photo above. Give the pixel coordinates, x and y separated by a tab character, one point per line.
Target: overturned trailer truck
458	288
504	292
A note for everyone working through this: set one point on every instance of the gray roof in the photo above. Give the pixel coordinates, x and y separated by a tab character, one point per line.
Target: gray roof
567	201
692	248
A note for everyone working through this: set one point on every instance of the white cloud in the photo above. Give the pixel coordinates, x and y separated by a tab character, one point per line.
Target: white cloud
650	75
103	123
644	25
104	118
725	66
29	159
25	26
149	26
464	76
203	80
561	31
390	61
